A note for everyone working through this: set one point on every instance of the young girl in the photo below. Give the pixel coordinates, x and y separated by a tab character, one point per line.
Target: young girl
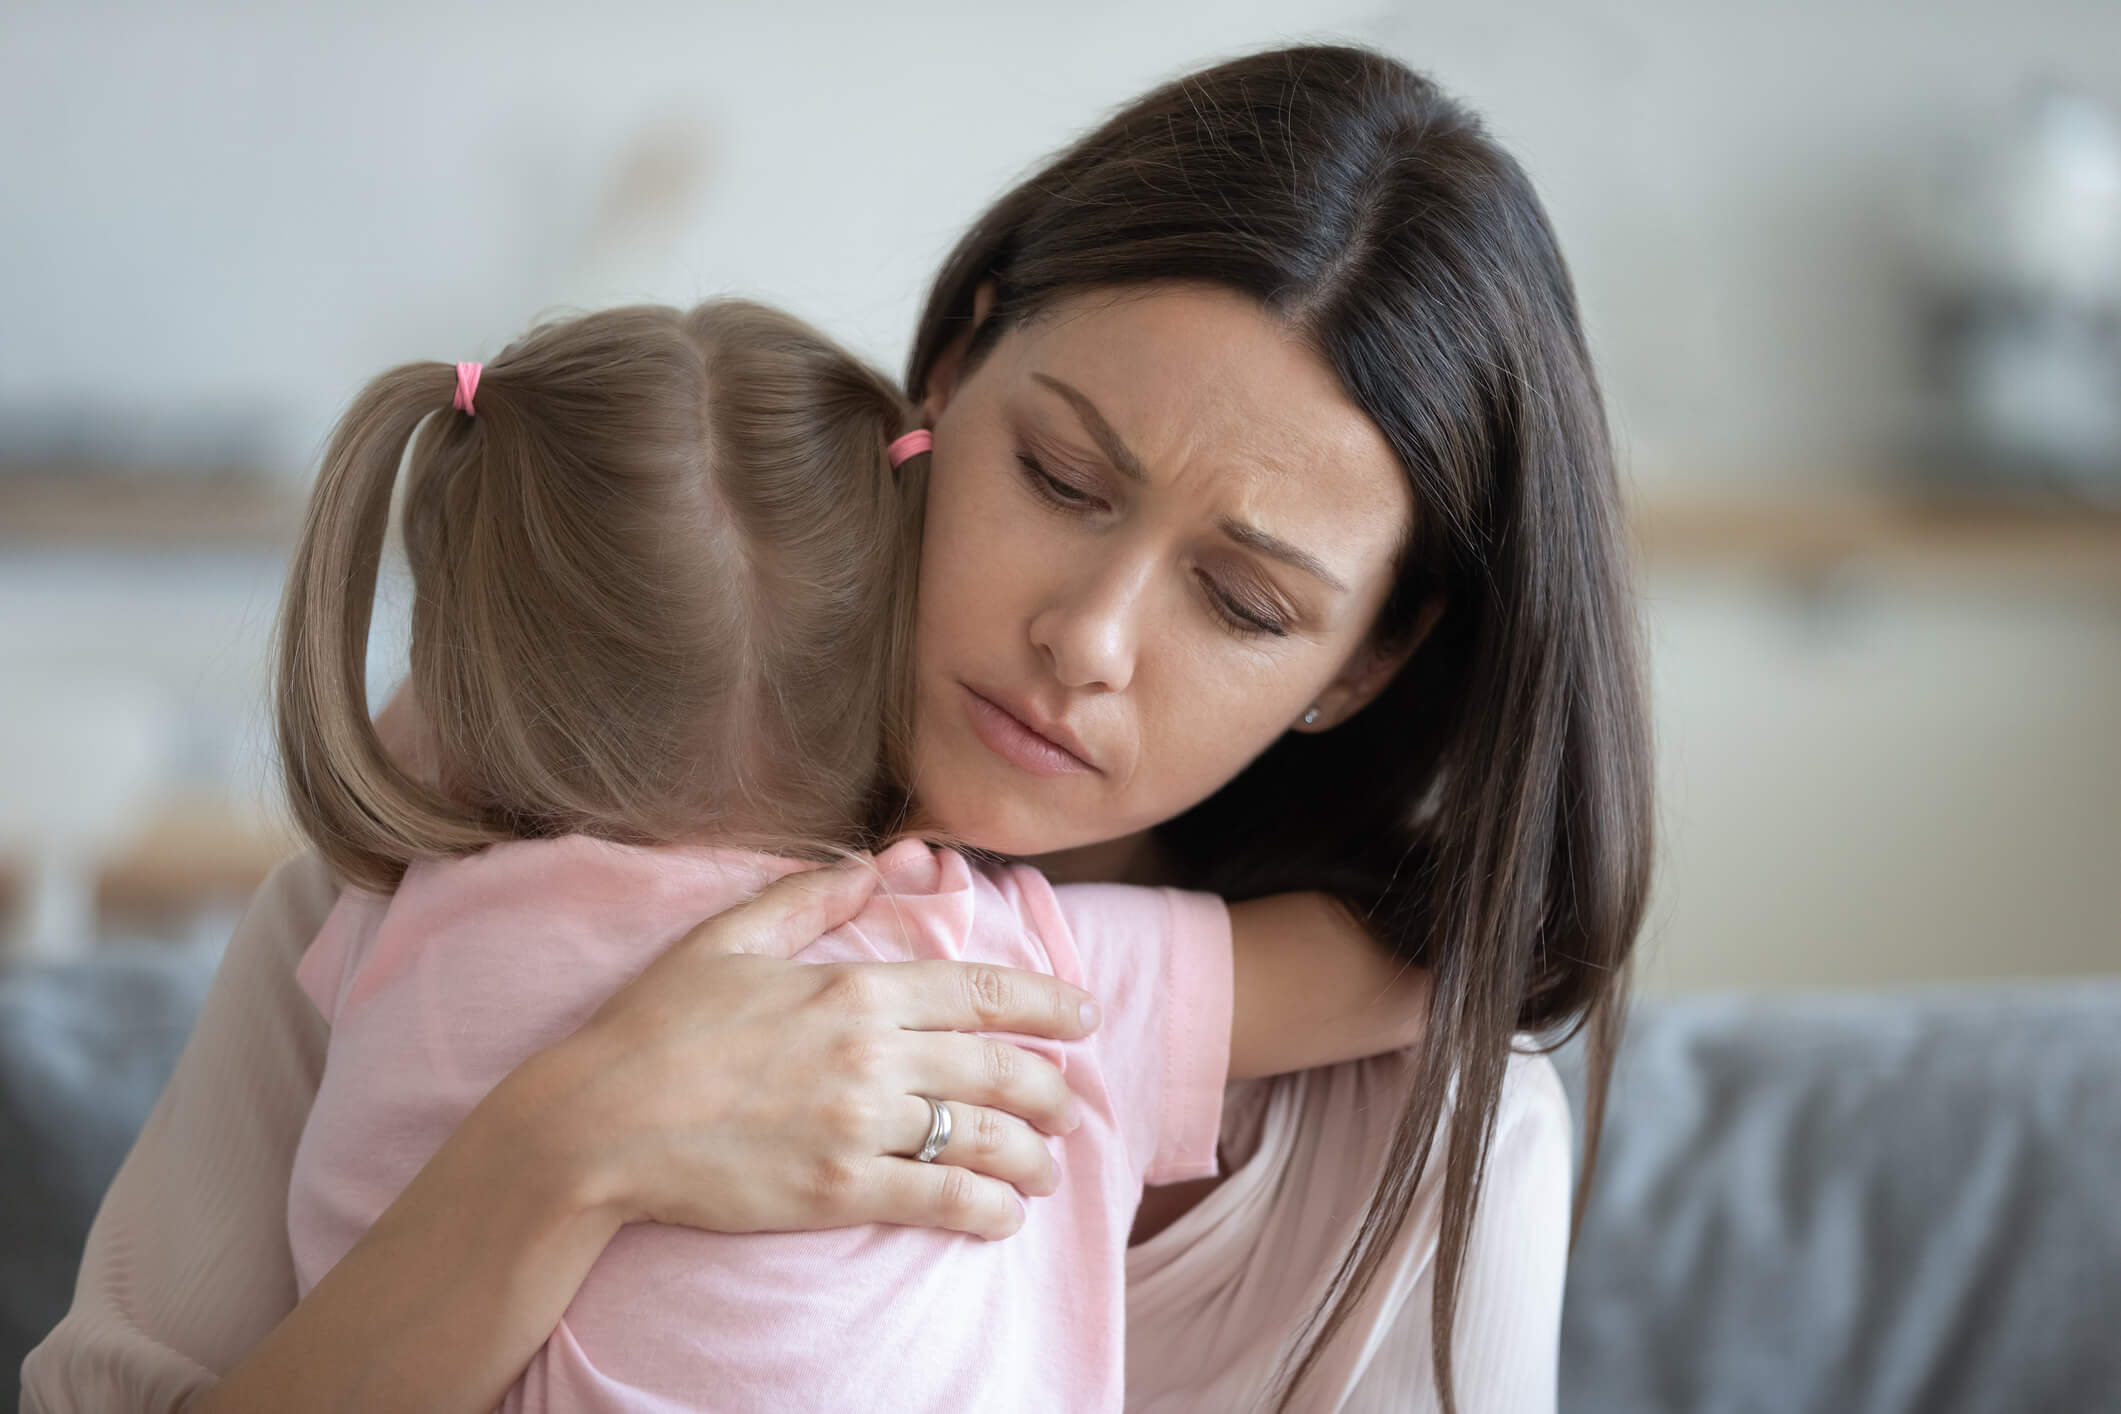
663	566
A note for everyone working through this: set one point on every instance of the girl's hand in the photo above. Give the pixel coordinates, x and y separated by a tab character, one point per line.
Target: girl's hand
731	1089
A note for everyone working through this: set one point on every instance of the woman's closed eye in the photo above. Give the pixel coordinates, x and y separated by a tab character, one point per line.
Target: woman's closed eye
1064	494
1242	615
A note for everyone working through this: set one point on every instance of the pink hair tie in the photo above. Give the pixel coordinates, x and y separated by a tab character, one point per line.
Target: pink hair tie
906	448
467	384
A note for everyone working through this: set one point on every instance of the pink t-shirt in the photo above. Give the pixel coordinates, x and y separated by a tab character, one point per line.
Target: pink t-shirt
438	991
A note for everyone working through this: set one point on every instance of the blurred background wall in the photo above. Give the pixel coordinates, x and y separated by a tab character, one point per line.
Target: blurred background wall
1890	737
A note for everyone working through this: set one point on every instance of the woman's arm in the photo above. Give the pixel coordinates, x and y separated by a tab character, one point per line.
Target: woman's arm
187	1268
724	1091
444	1300
1313	988
200	1204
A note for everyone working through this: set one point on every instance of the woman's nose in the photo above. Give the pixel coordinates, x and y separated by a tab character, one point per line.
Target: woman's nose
1088	632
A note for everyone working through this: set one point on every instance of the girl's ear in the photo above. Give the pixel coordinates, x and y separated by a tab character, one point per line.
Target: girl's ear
1368	673
950	363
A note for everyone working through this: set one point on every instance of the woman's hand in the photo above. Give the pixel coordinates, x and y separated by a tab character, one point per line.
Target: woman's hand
731	1089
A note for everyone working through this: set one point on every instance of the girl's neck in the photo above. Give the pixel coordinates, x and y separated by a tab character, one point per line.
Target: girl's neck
1130	859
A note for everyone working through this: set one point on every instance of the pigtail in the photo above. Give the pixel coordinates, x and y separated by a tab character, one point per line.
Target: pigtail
891	813
661	591
367	814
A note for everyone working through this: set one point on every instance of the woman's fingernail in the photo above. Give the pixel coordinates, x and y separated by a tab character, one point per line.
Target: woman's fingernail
1090	1016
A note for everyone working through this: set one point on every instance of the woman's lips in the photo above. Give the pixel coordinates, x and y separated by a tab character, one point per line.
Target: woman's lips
1009	738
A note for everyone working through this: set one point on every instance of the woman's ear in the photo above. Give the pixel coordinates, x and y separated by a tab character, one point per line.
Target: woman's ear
1368	673
949	365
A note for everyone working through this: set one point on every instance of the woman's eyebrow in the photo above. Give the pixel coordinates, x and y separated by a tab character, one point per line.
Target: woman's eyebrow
1108	441
1130	466
1257	539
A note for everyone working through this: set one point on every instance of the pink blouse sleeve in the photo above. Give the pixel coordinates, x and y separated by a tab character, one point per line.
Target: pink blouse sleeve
187	1265
1199	1004
1158	961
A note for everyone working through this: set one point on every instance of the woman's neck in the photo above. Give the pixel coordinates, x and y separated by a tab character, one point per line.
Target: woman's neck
1130	859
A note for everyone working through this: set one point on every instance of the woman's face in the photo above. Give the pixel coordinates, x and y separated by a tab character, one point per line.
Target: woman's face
1157	533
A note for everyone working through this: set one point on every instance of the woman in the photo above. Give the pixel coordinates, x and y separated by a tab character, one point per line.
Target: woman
1273	544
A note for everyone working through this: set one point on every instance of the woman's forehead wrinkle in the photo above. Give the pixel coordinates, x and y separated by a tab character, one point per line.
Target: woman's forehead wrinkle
1241	448
1190	393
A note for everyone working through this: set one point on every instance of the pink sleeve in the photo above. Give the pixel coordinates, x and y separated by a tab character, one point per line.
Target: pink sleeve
1199	1004
1158	962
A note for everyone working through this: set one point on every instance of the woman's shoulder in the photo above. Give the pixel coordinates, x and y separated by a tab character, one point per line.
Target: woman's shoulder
1533	1096
1533	1150
1532	1116
1531	1085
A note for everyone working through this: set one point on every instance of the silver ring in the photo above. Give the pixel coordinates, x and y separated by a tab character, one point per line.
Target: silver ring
938	1131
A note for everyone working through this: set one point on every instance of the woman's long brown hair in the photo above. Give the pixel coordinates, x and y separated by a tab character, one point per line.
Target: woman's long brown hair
1490	814
662	590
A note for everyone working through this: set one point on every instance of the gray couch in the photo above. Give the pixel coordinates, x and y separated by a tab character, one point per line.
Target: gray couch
1858	1204
1848	1205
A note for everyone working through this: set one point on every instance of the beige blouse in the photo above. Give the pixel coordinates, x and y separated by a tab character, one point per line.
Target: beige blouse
187	1265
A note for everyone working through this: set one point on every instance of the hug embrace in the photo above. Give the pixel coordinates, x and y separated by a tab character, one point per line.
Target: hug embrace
1040	889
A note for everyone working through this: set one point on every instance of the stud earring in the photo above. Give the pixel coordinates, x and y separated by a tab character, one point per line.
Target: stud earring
1311	717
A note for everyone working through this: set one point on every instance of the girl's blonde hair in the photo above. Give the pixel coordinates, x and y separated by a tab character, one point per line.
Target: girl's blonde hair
663	589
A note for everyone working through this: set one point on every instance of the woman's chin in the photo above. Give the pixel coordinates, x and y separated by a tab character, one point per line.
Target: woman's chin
1001	832
999	822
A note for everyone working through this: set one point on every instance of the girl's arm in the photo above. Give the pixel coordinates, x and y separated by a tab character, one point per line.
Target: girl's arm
1313	988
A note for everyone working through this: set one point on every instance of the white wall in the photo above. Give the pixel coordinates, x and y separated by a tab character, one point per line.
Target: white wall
253	208
1884	783
265	204
1733	182
245	203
